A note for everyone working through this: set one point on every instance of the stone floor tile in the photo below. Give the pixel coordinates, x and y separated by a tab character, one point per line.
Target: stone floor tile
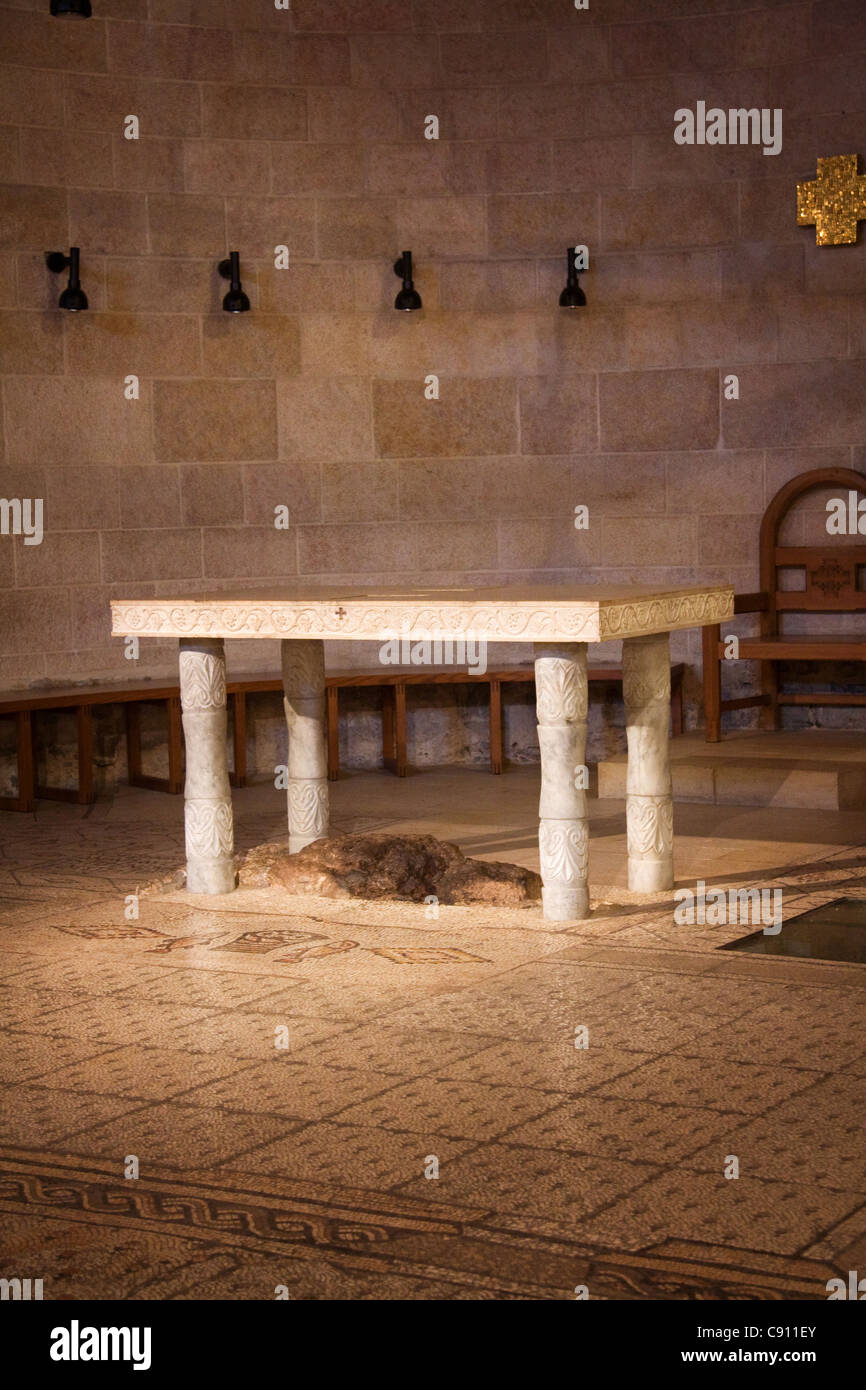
634	1131
178	1136
250	1035
28	1056
749	1213
122	1021
807	1149
352	1155
559	1067
151	1073
208	989
43	1115
771	1037
398	1051
151	1038
536	1184
715	1083
282	1086
460	1109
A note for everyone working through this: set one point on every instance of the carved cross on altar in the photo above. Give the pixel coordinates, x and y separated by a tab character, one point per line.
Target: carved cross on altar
834	202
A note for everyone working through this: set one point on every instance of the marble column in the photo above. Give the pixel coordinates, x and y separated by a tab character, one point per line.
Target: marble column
646	681
207	794
304	703
563	836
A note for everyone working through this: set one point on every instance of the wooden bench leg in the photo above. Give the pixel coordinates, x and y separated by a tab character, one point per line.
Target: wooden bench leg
333	692
400	727
133	743
82	793
769	716
238	705
86	794
175	746
677	706
34	754
389	752
26	767
25	799
495	726
711	636
173	783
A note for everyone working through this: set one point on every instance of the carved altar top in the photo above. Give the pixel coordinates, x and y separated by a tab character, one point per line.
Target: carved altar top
539	613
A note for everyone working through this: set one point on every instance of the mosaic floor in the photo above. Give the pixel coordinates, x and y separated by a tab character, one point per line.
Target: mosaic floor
289	1074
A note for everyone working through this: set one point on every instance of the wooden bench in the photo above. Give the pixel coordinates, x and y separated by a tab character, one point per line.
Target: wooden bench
25	706
397	681
829	586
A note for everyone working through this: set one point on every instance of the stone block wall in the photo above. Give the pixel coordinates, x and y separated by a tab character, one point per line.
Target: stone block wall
305	128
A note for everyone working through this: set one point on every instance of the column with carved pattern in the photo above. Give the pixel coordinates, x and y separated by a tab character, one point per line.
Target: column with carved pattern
304	703
563	836
207	794
646	682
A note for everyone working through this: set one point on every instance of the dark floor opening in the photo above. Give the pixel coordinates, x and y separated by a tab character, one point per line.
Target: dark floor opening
834	931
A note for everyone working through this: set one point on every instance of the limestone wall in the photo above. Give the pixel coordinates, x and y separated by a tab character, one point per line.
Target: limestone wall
305	128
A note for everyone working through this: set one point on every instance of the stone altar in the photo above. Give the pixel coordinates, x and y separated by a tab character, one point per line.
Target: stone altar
560	620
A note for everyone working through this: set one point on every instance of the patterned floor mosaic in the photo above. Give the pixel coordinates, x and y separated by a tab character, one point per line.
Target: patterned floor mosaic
358	1100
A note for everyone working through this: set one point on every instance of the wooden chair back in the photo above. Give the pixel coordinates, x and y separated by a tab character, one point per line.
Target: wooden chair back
831	571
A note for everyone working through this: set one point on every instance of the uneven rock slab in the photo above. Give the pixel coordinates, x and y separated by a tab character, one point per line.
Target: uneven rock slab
409	867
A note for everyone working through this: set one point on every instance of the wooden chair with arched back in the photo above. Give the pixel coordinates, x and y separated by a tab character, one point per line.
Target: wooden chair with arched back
829	586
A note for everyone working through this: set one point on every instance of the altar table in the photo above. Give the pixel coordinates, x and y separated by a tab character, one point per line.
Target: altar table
560	620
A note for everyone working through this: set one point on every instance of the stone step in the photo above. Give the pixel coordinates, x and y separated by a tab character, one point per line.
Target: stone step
733	773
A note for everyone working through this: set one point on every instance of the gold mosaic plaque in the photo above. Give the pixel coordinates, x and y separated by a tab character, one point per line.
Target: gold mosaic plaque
834	202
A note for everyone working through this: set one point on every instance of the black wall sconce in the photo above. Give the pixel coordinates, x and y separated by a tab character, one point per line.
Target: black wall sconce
71	9
235	302
73	297
408	298
572	296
